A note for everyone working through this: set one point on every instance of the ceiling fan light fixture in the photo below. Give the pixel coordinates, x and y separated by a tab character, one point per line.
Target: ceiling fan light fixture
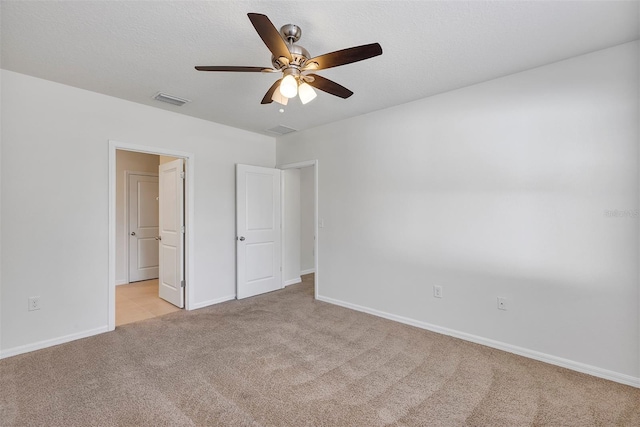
295	63
306	92
289	86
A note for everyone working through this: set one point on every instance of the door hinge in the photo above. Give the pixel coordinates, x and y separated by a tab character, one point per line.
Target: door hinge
182	228
182	283
182	175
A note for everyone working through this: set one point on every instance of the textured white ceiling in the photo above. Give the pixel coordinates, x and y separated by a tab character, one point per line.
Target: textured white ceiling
132	50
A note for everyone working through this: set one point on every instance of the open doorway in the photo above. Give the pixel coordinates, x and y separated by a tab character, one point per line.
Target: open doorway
139	293
150	205
300	224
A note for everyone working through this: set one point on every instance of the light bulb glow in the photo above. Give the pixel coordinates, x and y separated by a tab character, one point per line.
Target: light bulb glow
306	92
289	87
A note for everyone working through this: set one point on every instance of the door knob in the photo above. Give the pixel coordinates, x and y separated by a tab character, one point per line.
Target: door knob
133	233
241	238
158	237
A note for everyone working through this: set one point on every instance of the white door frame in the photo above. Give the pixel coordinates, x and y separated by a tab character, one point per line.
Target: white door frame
128	174
189	220
299	165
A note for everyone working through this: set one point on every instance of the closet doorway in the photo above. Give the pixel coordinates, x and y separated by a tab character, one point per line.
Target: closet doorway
300	224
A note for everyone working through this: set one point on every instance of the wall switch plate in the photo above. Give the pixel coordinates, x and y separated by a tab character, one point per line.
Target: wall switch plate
437	291
502	303
34	303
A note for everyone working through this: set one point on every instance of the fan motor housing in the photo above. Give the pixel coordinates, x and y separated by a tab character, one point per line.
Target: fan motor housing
299	56
291	33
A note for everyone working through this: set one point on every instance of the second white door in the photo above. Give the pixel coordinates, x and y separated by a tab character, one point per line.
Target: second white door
258	226
172	231
143	227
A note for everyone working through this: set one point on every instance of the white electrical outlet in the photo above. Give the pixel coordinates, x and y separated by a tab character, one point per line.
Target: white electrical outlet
437	291
502	303
34	303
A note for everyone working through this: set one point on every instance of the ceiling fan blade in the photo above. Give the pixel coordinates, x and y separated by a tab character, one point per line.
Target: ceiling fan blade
344	56
268	96
233	68
329	86
270	35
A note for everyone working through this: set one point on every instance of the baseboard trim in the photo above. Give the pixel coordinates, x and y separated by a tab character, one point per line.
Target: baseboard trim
292	281
51	342
521	351
309	271
122	282
204	304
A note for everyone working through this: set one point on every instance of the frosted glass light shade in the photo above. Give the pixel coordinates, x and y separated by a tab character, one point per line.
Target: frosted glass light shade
289	86
277	96
306	93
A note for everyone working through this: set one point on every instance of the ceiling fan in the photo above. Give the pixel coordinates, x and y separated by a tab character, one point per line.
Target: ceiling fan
296	64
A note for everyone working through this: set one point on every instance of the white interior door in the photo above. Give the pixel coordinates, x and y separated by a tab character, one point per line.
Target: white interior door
171	251
258	241
143	227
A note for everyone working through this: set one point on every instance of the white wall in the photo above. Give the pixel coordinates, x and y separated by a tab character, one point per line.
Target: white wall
132	162
291	226
307	200
55	215
1	191
497	189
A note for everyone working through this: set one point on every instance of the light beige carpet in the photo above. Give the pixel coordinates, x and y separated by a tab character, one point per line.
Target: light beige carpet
283	359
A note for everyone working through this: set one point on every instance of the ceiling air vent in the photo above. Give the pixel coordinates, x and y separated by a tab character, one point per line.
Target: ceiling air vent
170	99
281	130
